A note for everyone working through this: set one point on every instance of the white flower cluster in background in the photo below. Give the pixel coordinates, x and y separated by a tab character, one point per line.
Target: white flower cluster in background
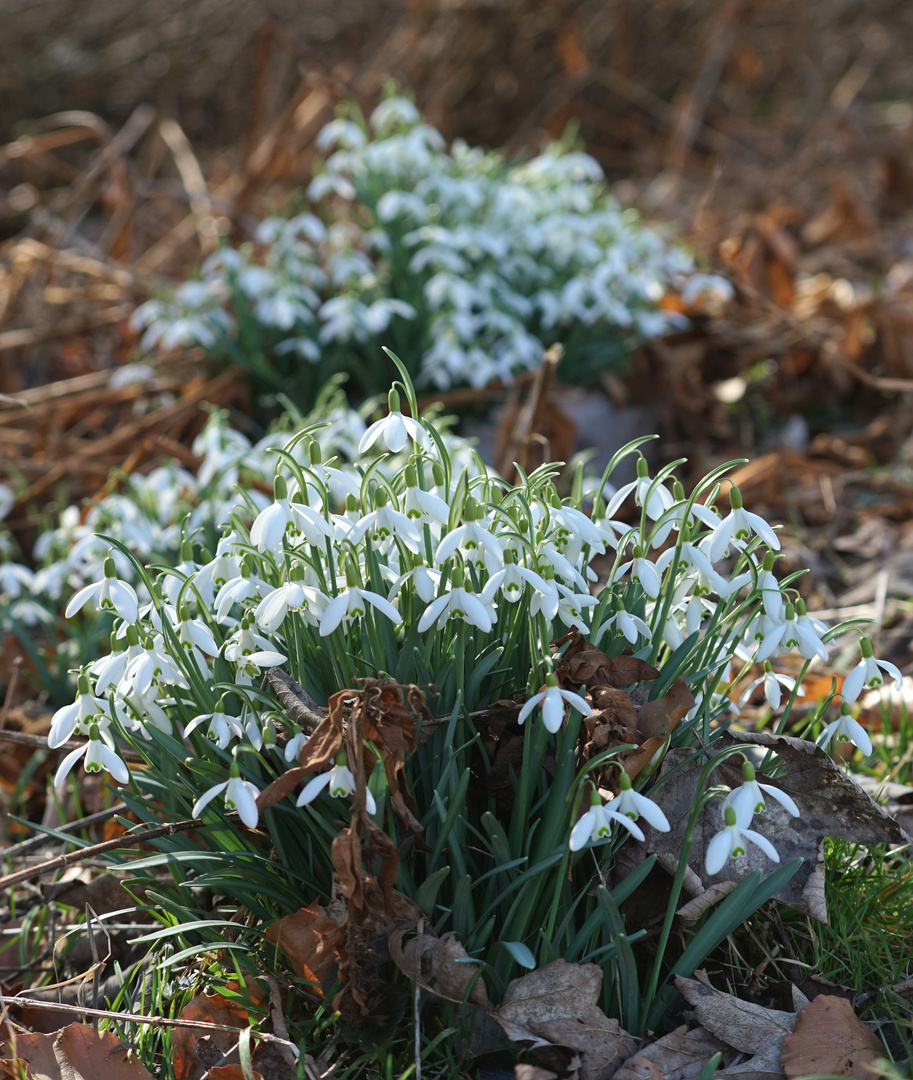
422	565
473	264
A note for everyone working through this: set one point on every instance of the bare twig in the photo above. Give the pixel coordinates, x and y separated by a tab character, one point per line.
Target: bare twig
127	840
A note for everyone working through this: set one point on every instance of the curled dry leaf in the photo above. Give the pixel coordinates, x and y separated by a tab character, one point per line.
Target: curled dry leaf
744	1026
682	1054
555	1007
439	965
195	1052
77	1052
692	911
830	1038
310	938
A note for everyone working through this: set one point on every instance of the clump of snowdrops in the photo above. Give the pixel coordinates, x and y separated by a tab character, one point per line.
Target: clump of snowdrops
467	264
439	575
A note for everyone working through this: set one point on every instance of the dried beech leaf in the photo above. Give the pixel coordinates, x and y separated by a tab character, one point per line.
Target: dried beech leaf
682	1054
193	1052
830	1038
627	670
740	1024
689	913
76	1052
438	966
555	1007
659	717
310	938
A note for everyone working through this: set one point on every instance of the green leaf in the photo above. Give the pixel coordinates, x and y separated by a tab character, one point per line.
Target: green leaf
521	953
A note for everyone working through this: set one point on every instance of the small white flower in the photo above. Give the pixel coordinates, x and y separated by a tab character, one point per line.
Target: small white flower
729	843
352	603
748	799
772	682
222	727
596	824
867	675
629	626
78	718
395	430
634	805
553	700
458	603
340	781
846	729
109	594
643	571
240	795
738	527
99	755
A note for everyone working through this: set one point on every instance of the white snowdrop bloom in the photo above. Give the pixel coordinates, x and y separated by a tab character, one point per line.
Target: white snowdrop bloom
99	755
572	607
352	603
634	805
553	700
769	587
14	578
692	557
246	586
512	581
152	666
773	682
385	524
250	651
473	540
868	674
572	527
240	795
293	596
221	727
459	603
846	729
749	798
631	627
395	430
109	594
425	580
78	717
284	519
643	571
729	843
653	496
339	781
737	528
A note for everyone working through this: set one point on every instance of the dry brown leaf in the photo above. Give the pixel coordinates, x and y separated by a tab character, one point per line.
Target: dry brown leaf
830	1038
439	966
194	1052
554	1008
740	1024
310	938
658	718
682	1054
77	1052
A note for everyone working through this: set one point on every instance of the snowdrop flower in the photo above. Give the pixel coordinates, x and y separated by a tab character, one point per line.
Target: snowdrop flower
738	527
293	746
769	588
748	799
421	505
99	754
238	589
384	524
654	497
109	594
152	665
283	518
425	581
596	823
294	595
222	727
460	603
340	781
78	717
772	681
512	581
697	564
634	805
475	543
352	603
240	795
571	607
643	571
846	729
866	675
553	700
729	843
250	651
629	626
394	428
14	578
